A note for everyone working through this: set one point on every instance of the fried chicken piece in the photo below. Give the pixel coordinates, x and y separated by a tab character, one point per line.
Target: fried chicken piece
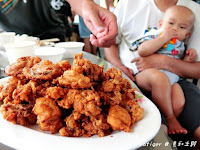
112	98
18	114
64	65
115	81
44	70
74	80
137	112
93	71
10	86
87	102
25	93
72	121
42	87
68	99
119	118
73	126
65	131
1	87
48	114
112	73
128	95
81	125
56	92
97	125
16	69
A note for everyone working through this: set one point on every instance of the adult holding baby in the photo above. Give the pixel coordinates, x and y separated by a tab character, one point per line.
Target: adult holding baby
169	39
132	22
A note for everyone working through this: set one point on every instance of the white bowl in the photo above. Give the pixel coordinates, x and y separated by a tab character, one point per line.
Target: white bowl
25	37
3	59
71	48
6	37
54	54
16	50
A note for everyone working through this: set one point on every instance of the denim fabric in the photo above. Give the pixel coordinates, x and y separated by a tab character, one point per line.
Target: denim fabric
84	32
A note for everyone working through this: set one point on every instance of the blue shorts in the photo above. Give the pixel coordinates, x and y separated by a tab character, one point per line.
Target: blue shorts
84	32
173	78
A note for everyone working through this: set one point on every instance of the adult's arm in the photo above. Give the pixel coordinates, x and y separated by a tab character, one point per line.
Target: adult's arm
100	21
182	68
77	5
112	55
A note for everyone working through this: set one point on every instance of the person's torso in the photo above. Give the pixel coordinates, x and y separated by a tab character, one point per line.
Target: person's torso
133	18
136	16
33	17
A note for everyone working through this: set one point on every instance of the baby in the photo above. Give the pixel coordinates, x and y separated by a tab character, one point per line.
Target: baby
174	29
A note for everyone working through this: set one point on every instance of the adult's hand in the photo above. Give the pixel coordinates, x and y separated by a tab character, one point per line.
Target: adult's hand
182	68
100	21
127	71
152	61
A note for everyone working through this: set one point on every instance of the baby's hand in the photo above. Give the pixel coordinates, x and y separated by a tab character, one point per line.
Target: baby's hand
169	34
191	55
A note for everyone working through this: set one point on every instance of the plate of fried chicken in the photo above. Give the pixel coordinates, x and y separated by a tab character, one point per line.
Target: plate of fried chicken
61	106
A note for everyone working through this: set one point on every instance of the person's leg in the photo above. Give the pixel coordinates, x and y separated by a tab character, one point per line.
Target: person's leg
87	46
94	49
190	116
156	82
178	99
85	35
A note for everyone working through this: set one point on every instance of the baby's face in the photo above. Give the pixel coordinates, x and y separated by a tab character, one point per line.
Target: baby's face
179	20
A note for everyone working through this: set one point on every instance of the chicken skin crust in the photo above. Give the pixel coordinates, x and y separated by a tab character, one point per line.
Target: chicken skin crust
119	118
17	69
74	80
86	67
48	114
44	70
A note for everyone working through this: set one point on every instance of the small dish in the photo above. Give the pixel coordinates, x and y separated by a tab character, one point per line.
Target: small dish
6	37
16	50
71	48
54	54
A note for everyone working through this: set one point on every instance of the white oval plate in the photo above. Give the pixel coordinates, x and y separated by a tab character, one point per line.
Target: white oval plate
31	138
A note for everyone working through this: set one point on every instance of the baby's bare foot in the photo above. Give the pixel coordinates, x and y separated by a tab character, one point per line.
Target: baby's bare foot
174	126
